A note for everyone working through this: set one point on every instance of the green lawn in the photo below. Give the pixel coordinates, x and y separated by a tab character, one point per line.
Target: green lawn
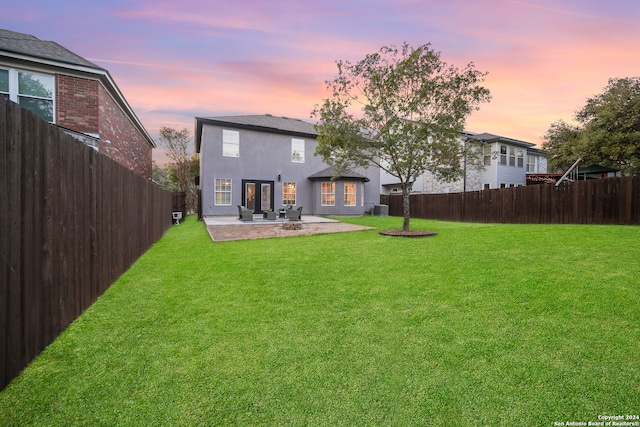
483	324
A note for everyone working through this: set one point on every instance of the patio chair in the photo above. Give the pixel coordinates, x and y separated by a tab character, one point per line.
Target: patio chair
294	214
245	214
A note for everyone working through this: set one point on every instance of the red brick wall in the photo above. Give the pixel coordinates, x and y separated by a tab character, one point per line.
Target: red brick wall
126	144
77	103
84	105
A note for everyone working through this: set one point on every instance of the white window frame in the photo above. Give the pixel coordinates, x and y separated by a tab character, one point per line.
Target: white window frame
353	194
503	154
230	143
297	150
13	75
486	153
287	187
222	188
531	164
512	156
520	158
328	193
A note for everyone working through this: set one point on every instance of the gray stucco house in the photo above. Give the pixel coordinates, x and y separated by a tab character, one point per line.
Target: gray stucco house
264	162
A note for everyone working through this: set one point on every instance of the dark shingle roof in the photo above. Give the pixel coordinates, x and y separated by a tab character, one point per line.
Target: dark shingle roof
489	137
261	123
26	44
332	172
267	121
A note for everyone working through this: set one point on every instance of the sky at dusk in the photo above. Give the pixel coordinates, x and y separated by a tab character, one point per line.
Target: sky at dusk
175	60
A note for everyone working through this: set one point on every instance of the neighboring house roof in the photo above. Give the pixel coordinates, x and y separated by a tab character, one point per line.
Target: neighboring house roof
597	169
332	173
489	137
27	44
29	49
260	123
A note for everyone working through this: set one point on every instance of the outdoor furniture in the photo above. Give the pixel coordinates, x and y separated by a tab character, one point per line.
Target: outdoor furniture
245	214
294	214
269	215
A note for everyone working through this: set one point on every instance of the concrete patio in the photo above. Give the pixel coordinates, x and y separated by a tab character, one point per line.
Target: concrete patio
225	228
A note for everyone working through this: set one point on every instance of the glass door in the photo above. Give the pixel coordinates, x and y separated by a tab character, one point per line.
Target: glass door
265	197
250	195
257	195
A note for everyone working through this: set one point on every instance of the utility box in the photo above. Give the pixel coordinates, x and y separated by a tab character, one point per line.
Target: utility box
381	210
177	217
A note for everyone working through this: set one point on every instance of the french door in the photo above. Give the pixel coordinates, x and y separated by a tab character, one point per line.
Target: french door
257	195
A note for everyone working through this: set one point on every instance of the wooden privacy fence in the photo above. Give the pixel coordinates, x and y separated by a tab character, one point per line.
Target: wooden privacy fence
601	201
71	222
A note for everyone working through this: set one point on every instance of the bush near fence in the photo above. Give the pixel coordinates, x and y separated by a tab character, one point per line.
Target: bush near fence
71	222
598	201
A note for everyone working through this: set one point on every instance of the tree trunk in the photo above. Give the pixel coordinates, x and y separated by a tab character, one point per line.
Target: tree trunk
406	206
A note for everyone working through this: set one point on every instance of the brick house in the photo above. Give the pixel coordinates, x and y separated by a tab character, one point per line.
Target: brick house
75	94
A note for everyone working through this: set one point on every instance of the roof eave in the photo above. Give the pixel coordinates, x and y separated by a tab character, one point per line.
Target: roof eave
200	121
101	73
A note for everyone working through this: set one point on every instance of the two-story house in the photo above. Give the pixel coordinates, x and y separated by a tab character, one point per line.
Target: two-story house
263	162
67	90
502	162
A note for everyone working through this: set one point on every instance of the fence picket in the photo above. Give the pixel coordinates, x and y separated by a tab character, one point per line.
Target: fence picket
603	201
71	221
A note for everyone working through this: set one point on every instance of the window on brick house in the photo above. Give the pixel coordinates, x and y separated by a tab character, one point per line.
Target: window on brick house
32	91
4	83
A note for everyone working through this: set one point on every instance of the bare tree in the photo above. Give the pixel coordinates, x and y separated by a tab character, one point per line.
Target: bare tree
178	143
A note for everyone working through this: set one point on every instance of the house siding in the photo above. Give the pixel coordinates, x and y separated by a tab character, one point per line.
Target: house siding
265	156
477	175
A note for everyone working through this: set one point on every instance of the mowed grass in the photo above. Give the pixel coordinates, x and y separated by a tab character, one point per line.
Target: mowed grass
483	324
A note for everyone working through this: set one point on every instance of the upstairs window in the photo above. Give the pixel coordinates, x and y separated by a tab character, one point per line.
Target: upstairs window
31	90
297	150
503	155
520	158
512	156
486	154
531	164
230	143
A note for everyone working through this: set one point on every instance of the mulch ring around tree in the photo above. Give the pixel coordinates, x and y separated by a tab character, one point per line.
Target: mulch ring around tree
408	233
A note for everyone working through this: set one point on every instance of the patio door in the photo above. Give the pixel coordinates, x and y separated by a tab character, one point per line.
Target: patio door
257	195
